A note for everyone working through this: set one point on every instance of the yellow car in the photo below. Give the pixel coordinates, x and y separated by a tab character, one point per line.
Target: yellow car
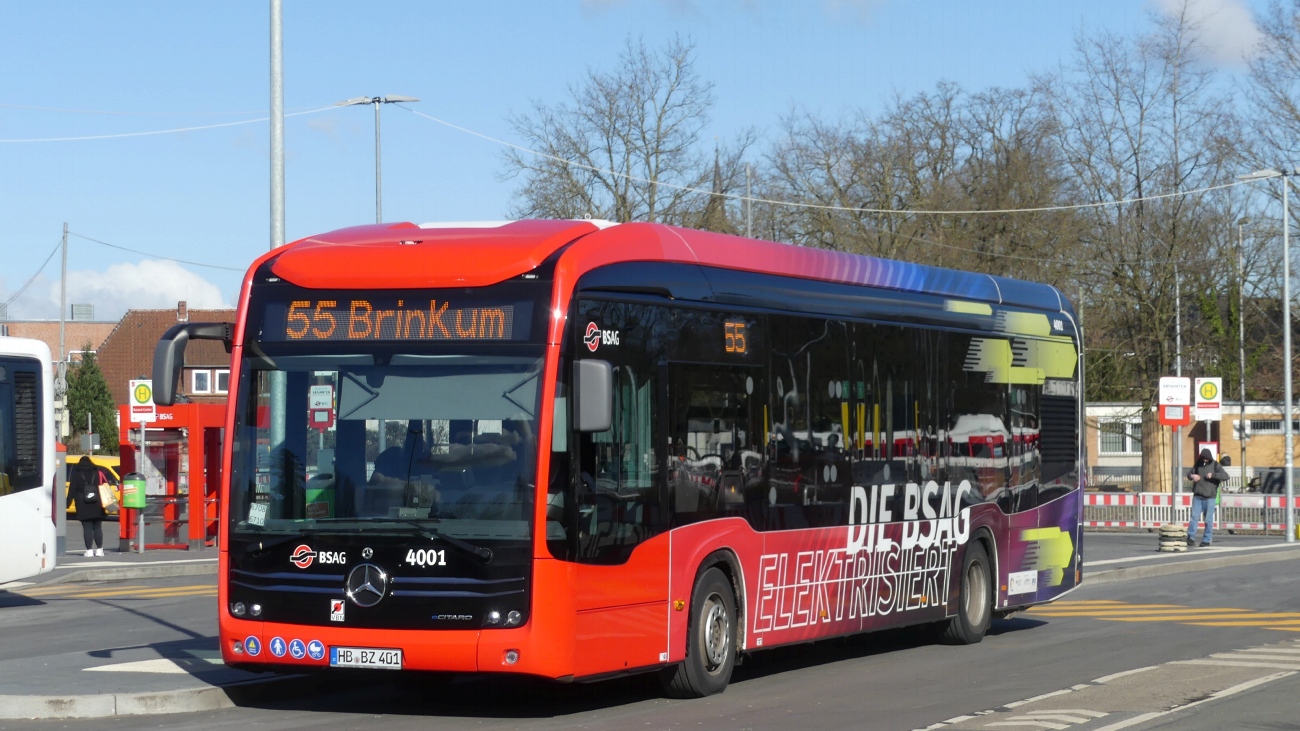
108	466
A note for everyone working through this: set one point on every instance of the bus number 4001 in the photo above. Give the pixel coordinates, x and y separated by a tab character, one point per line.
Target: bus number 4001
429	557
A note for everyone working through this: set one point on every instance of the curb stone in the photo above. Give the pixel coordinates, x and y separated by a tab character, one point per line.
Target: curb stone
186	700
1186	566
115	573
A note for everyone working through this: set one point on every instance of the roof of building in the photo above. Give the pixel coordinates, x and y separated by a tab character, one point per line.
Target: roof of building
127	353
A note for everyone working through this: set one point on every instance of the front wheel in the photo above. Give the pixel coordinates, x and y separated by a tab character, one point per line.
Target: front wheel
710	640
975	603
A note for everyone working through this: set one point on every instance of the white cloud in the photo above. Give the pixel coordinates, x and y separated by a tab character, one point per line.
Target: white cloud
146	285
1226	28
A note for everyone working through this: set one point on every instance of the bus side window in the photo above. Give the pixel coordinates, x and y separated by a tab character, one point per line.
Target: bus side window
716	461
616	478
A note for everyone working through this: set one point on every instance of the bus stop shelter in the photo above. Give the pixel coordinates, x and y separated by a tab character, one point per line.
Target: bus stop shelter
181	466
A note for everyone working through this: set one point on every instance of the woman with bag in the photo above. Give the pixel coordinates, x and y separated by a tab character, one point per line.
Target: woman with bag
84	489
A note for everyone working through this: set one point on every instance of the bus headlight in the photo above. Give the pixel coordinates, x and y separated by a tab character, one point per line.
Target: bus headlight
513	618
255	610
238	609
493	618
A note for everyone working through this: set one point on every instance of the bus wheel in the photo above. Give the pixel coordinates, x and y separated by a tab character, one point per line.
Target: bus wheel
975	610
710	640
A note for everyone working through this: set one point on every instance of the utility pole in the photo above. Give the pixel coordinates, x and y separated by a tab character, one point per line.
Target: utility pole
1178	371
749	203
279	385
63	297
277	127
1241	351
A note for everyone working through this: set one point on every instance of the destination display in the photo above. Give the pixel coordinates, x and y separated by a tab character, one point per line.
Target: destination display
372	318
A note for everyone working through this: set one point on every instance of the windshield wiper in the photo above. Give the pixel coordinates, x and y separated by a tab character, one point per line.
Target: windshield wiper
479	552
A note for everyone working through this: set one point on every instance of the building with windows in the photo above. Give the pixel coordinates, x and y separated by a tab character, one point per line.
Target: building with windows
1115	446
127	353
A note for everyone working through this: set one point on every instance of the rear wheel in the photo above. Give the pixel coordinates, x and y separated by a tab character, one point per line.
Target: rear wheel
710	640
975	603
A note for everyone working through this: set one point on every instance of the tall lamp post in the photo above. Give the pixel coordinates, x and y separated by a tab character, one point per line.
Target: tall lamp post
1286	336
1241	351
375	101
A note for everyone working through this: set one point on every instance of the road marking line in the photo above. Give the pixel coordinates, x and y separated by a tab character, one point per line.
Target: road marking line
1036	724
1113	676
142	591
1044	696
1075	711
1107	608
1237	664
64	589
161	666
1062	717
1213	696
1255	658
1270	650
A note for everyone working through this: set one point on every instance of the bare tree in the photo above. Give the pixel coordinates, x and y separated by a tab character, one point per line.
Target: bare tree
625	145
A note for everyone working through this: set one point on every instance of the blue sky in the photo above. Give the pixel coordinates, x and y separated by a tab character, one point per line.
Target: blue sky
203	195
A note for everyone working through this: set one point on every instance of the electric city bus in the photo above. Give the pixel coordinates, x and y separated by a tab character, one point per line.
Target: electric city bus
28	512
574	449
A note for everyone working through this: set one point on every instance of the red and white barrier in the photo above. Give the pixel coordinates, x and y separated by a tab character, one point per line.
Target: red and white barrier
1153	509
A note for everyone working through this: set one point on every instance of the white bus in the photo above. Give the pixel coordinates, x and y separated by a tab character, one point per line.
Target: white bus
27	496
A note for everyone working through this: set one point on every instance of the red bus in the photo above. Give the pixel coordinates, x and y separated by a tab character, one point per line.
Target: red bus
573	449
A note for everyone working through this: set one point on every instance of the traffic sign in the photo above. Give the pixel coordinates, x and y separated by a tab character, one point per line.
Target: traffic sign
1175	391
320	407
1209	399
141	400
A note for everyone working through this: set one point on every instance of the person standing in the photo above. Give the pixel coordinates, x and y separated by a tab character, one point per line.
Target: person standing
83	489
1205	476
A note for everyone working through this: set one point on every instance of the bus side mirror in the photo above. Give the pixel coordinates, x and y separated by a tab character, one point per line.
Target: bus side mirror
593	385
169	354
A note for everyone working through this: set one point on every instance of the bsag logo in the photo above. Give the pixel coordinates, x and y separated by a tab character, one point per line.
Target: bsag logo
595	337
302	556
339	557
336	610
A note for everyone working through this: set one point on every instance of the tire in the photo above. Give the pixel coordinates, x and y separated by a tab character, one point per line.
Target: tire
710	640
975	600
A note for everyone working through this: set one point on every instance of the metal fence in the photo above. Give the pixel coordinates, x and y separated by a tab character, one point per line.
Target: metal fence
1153	509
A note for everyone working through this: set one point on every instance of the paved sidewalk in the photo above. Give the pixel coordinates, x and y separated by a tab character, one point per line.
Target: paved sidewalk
132	634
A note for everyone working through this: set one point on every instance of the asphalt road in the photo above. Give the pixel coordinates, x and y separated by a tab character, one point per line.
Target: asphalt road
894	680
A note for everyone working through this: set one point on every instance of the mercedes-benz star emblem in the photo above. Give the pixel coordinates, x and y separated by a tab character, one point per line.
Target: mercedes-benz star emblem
367	585
367	552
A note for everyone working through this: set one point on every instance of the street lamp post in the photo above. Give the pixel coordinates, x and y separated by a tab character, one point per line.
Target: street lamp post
1241	352
375	101
1286	336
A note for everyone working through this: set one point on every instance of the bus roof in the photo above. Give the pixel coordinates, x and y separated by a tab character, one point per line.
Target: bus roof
25	347
464	254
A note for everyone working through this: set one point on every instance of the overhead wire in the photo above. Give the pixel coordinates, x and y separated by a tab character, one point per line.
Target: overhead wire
158	131
31	279
154	256
819	206
134	113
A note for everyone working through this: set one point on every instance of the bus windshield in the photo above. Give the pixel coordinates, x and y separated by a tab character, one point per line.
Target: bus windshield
392	442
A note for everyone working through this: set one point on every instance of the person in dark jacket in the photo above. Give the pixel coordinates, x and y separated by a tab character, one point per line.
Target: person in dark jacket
1206	475
83	490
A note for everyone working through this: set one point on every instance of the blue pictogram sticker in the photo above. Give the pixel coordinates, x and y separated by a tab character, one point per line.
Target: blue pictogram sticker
316	650
252	646
278	646
297	649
